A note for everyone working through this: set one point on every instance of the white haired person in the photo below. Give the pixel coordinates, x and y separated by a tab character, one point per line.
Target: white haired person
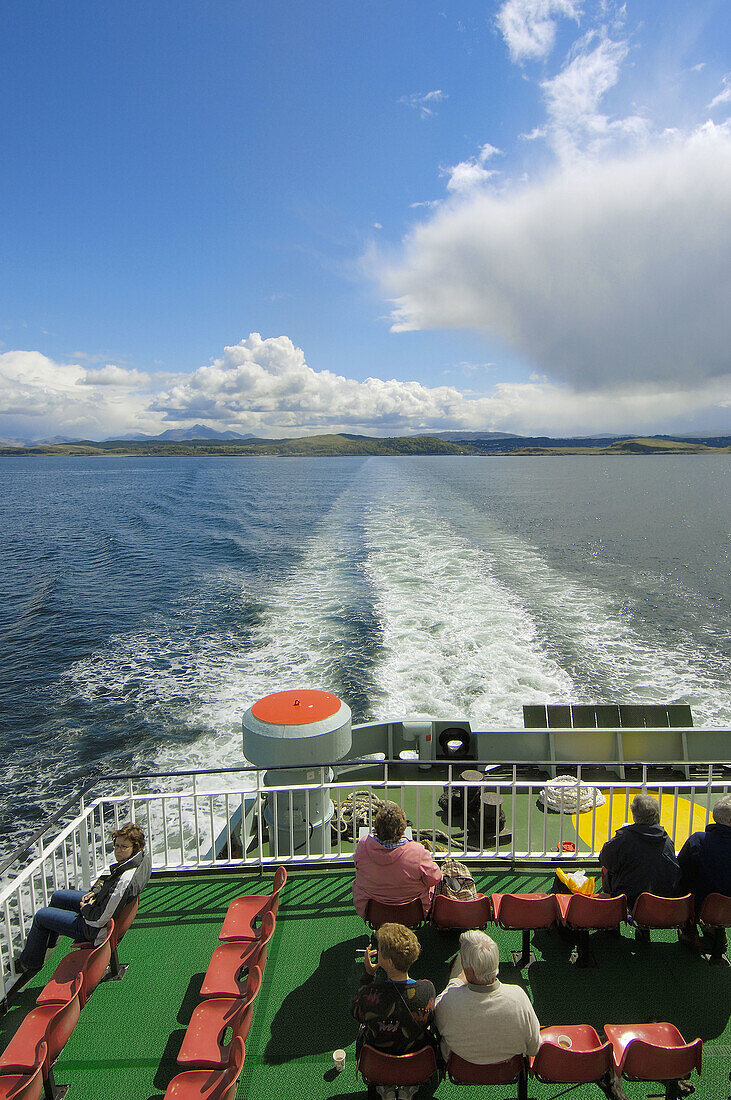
85	916
479	1018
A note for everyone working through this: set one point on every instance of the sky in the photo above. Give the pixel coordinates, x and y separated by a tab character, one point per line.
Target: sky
383	217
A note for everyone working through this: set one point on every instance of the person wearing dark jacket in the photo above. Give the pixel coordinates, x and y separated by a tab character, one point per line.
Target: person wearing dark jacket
85	916
705	863
640	857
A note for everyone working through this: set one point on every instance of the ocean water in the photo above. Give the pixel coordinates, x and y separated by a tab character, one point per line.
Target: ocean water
146	603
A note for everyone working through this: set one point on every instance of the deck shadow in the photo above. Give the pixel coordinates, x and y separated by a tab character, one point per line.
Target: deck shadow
315	1016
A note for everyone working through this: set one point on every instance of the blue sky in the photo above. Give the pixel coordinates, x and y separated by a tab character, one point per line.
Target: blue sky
384	217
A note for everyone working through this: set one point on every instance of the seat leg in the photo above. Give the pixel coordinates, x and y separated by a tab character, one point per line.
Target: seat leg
523	1084
718	955
523	960
51	1090
583	956
116	970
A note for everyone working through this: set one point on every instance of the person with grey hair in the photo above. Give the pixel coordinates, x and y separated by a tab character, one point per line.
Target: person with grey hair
705	863
640	857
479	1018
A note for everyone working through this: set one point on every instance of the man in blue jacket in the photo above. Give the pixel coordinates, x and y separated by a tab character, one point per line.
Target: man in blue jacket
640	857
705	862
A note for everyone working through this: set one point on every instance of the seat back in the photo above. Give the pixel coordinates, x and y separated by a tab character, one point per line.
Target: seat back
524	911
651	911
378	1068
124	918
259	956
648	1062
462	1072
594	912
452	913
89	961
230	1076
554	1063
63	1022
716	911
408	913
253	985
28	1086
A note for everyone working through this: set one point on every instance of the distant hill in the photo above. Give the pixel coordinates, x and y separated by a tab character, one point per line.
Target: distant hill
344	445
176	435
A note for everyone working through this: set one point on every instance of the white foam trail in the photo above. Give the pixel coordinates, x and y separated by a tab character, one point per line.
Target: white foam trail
456	641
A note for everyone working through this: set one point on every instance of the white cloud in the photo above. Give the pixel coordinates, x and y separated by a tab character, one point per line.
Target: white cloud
724	96
529	26
470	174
575	124
424	103
604	275
265	386
111	375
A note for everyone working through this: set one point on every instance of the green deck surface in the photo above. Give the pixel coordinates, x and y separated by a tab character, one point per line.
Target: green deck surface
125	1044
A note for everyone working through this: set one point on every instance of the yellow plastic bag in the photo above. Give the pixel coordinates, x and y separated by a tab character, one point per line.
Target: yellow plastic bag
577	882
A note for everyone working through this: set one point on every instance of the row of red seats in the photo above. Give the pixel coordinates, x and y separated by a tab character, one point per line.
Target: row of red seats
213	1066
26	1064
568	1054
580	913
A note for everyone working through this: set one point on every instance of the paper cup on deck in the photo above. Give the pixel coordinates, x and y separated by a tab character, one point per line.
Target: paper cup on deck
339	1059
564	1041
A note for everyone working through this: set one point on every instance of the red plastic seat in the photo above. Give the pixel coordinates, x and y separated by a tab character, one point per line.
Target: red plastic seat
715	917
651	911
587	1059
584	914
524	912
209	1084
512	1069
245	915
408	913
25	1086
122	923
53	1023
91	962
377	1068
452	913
223	976
653	1052
203	1046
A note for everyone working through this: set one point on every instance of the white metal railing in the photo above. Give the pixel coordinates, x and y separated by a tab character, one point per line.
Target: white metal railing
212	820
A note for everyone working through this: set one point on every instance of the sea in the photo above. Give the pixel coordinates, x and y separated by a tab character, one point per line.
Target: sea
146	603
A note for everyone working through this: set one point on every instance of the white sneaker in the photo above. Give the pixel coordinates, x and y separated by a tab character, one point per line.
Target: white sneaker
406	1092
386	1092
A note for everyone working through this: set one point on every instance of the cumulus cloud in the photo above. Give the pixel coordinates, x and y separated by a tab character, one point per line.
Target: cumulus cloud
111	375
603	275
529	26
424	103
265	386
39	396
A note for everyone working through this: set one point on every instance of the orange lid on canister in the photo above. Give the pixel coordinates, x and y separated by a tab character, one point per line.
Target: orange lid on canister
296	708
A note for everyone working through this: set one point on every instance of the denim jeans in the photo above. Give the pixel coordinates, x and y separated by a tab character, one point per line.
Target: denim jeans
62	917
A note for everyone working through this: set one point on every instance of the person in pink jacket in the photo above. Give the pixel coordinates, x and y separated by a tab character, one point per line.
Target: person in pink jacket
391	869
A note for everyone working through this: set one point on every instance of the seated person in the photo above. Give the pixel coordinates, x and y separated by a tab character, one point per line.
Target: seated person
705	862
640	857
391	869
86	916
479	1018
395	1013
